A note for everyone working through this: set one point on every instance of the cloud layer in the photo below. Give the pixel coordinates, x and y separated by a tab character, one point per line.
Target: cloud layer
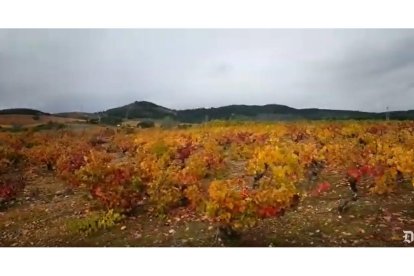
90	70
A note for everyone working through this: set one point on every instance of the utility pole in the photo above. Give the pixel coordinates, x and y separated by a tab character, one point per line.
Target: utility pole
127	112
387	114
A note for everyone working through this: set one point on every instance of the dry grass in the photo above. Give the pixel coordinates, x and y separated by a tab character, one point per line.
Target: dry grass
27	120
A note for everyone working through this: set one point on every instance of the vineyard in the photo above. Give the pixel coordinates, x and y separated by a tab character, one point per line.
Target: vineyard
344	183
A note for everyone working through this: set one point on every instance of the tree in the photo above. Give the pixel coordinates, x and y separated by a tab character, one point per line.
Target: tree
168	122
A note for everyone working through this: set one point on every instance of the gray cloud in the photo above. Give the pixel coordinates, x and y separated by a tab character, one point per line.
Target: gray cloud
91	70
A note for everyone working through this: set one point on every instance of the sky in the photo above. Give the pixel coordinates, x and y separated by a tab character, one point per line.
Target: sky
90	70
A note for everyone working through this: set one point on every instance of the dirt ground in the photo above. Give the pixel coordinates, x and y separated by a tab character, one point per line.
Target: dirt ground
42	214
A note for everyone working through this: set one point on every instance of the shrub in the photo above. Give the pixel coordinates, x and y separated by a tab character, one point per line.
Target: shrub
116	185
10	188
95	222
146	124
109	120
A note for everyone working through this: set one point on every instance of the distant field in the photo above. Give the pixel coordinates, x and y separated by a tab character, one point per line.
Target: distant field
28	120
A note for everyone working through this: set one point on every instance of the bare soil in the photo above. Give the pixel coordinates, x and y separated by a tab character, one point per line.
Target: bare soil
41	215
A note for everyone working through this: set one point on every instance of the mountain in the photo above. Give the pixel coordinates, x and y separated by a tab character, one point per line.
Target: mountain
231	112
401	115
76	115
22	111
272	112
269	112
141	109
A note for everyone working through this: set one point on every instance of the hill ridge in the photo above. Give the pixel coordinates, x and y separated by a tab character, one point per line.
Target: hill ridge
150	110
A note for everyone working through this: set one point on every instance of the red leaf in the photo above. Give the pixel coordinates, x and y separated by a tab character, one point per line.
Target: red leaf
321	188
355	173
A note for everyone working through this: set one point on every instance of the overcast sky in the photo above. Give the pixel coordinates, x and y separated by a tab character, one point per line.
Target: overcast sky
92	70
